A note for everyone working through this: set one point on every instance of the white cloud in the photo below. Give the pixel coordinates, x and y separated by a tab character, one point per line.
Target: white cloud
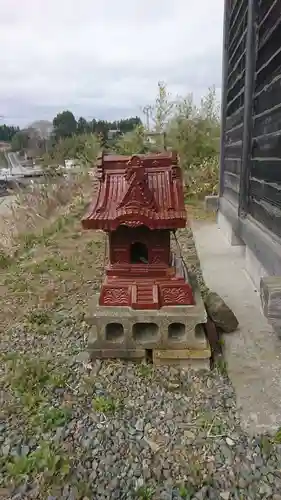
104	59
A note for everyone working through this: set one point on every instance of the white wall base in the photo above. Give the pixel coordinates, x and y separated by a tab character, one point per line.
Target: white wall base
252	265
254	268
227	230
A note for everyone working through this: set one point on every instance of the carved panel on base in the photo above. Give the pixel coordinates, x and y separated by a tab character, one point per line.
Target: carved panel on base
115	296
176	295
156	259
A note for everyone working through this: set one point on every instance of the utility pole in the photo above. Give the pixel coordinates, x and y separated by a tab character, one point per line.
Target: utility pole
147	112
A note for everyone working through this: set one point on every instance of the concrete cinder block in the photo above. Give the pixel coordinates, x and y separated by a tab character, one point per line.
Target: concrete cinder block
270	294
183	358
211	203
116	331
117	353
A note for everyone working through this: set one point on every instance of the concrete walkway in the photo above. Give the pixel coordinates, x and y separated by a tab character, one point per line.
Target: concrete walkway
253	353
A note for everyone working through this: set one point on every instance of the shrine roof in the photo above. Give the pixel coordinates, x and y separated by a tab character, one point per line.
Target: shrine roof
136	190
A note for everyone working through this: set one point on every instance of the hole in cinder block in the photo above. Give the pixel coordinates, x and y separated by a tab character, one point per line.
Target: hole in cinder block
176	331
114	332
145	332
149	355
199	331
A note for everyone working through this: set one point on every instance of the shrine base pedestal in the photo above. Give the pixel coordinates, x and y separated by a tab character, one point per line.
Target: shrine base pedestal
174	334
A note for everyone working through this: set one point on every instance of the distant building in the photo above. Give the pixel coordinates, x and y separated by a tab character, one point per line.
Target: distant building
69	164
4	146
113	133
151	140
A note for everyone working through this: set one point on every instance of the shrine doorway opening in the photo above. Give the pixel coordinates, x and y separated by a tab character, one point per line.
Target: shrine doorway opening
138	253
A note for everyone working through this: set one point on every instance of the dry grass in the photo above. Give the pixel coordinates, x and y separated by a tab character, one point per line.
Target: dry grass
48	264
202	179
35	208
52	265
196	211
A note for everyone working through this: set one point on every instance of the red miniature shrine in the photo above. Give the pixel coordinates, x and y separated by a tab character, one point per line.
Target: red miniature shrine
140	201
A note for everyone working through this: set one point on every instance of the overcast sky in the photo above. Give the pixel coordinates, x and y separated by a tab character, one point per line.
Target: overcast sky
103	59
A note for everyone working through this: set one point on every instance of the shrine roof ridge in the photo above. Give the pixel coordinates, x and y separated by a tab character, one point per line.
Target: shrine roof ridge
141	189
148	159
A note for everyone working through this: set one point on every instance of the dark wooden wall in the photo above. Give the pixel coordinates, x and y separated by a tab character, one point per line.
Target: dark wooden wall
261	195
235	82
265	169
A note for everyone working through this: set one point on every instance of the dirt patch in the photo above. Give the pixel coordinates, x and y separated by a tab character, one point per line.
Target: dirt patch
57	267
60	273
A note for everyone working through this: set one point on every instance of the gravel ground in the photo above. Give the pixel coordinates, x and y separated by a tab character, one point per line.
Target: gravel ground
71	430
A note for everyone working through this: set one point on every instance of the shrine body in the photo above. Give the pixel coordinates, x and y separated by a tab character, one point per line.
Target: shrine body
140	204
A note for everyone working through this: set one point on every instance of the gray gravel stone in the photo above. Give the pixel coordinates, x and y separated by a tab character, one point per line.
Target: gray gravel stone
139	425
24	450
225	495
82	357
160	431
265	490
6	450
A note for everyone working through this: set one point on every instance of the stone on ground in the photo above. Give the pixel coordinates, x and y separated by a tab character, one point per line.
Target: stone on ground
220	313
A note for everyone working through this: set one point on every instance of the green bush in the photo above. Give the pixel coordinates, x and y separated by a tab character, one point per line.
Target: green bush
132	142
84	148
193	131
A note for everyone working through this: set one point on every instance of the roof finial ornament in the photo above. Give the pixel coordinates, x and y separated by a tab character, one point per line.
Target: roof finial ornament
135	169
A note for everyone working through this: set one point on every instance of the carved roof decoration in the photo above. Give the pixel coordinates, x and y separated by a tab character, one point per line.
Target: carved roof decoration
138	190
